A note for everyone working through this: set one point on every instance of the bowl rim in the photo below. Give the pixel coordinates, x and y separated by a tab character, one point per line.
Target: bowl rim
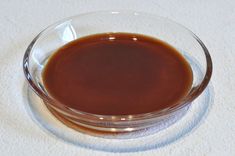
116	118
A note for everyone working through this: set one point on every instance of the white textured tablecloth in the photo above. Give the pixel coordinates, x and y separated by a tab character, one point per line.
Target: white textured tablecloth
21	20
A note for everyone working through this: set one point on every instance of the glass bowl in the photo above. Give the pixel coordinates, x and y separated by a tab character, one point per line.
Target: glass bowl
69	29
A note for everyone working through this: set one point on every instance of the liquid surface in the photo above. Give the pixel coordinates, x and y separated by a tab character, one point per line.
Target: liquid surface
117	74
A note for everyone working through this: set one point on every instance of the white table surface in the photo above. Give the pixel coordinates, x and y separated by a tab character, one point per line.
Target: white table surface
212	20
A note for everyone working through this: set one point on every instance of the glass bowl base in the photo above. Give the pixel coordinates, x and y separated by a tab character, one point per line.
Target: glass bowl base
162	134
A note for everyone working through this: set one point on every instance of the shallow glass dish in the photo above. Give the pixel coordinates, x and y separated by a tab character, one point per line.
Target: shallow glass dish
56	35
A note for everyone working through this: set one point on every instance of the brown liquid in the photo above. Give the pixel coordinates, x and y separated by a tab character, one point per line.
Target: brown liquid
117	74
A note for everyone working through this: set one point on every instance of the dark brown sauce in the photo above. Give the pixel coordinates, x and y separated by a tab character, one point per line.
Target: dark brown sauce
117	74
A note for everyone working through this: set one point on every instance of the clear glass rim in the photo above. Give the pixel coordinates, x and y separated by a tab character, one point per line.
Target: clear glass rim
116	118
